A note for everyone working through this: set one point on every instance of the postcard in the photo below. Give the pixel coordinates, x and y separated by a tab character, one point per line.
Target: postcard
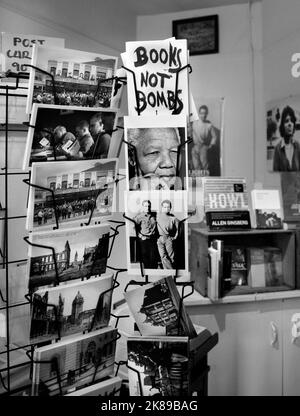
156	65
156	152
69	133
156	233
18	283
157	309
110	387
74	363
158	366
79	77
80	189
76	253
69	309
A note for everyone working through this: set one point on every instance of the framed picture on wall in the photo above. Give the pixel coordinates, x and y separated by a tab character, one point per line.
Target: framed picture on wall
202	34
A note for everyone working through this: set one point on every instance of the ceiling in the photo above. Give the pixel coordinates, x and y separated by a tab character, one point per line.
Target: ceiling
146	7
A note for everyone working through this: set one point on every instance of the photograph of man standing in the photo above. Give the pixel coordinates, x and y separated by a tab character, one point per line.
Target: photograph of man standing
168	228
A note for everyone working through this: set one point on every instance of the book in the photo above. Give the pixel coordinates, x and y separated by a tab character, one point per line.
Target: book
266	269
71	308
215	255
239	267
80	188
257	276
290	188
73	363
158	310
109	387
267	208
76	74
77	253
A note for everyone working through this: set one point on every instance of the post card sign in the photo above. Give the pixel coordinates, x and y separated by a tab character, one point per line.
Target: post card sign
17	49
156	65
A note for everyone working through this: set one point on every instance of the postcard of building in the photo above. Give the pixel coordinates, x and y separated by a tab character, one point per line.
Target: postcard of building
74	363
157	65
156	152
80	189
79	77
109	387
78	253
158	366
71	308
70	133
157	309
156	233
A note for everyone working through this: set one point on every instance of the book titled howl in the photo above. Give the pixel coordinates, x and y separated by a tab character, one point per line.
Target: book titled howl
226	203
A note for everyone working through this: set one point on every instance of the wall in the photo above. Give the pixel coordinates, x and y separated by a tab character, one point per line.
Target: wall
227	74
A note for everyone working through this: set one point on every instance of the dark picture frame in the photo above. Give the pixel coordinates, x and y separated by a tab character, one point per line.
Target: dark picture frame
202	33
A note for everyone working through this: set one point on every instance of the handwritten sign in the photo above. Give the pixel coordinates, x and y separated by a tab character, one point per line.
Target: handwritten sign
17	49
156	65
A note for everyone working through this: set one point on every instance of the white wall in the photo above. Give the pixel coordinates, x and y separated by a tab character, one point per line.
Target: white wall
227	74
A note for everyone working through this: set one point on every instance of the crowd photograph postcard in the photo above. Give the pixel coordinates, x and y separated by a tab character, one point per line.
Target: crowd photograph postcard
156	152
156	66
283	134
158	366
64	255
156	232
72	133
70	193
207	130
72	364
79	77
157	309
69	309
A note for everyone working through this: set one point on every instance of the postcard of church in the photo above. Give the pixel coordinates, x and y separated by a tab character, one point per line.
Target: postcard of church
64	255
79	78
71	308
71	194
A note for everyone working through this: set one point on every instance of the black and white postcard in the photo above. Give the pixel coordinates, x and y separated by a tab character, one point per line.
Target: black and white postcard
109	387
156	65
64	255
73	133
80	189
158	366
206	131
69	309
283	134
79	77
156	233
74	363
157	309
156	152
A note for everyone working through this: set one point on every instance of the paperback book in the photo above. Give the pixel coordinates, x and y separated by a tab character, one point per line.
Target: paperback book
266	268
65	255
158	310
75	363
58	132
267	208
80	77
70	193
69	309
239	266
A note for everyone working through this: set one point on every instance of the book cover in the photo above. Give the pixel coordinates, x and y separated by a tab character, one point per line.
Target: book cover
257	275
71	308
78	253
267	208
73	363
273	266
110	387
290	188
239	267
59	132
155	65
158	367
80	189
76	75
158	310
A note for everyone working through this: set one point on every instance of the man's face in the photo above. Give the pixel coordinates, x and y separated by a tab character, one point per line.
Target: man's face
203	114
79	132
288	126
146	207
157	154
166	208
96	126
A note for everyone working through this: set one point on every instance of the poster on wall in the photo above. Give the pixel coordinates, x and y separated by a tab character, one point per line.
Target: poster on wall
283	134
205	151
17	49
